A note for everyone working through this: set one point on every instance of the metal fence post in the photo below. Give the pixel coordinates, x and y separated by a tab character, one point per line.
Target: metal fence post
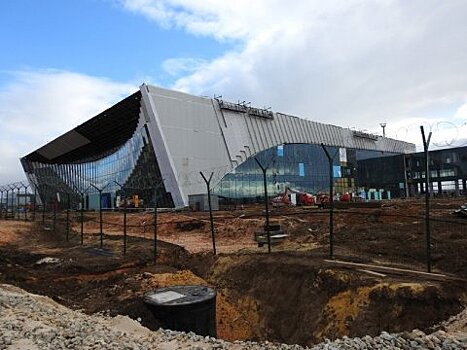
1	203
331	201
68	218
124	228
34	205
82	218
101	233
6	210
55	215
124	216
266	204
43	212
25	207
211	219
426	144
100	220
16	214
155	228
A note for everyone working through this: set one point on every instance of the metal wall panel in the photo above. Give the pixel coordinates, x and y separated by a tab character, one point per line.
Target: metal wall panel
191	134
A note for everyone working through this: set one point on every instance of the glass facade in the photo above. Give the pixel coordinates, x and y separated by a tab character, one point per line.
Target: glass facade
448	172
133	167
107	161
385	172
405	175
302	167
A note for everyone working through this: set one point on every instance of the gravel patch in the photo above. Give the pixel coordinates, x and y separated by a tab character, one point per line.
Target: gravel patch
35	322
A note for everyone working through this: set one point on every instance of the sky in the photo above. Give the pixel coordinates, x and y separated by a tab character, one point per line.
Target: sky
352	63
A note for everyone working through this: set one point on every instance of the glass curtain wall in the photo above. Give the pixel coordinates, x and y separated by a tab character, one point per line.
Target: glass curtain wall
133	166
301	167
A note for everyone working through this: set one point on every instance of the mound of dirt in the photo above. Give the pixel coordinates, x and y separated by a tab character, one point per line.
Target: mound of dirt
292	299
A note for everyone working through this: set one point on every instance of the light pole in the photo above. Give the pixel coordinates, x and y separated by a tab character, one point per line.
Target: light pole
383	125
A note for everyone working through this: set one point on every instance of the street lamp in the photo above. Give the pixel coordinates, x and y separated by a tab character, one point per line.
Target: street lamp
383	125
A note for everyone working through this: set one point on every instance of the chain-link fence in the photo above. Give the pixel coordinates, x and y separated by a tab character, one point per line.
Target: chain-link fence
391	233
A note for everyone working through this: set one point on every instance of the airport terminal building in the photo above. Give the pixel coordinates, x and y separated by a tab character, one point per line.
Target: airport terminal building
153	145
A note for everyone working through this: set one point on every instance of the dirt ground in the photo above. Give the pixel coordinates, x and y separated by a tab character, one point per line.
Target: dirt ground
294	295
393	234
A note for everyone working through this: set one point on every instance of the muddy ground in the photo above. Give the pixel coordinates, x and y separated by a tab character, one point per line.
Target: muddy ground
294	295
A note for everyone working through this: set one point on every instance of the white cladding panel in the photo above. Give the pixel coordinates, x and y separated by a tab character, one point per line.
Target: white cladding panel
194	134
192	137
235	136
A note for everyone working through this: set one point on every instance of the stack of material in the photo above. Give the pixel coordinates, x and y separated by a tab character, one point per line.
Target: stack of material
462	211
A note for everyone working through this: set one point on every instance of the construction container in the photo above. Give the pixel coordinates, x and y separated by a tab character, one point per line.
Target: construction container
184	308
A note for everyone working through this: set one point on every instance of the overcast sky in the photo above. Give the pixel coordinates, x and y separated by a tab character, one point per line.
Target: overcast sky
353	63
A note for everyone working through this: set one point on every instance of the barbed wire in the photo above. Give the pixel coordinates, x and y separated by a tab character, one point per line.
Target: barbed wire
14	185
446	133
259	215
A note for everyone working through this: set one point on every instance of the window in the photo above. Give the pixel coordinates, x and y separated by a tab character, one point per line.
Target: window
447	172
448	185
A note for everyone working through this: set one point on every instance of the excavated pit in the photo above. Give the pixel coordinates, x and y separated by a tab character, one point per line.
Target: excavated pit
290	297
